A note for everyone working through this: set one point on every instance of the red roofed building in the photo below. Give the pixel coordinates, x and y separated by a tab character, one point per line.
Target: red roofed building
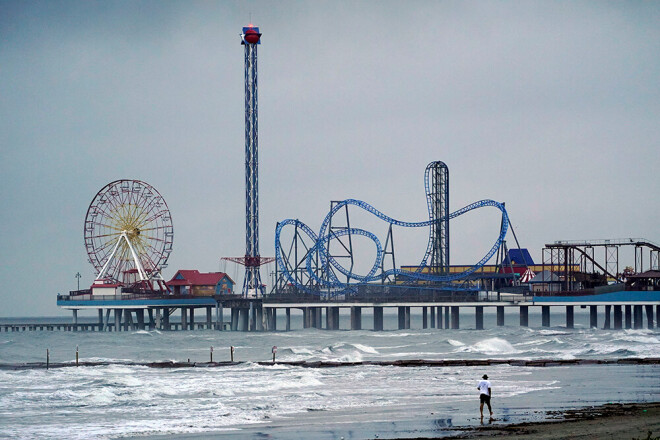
192	282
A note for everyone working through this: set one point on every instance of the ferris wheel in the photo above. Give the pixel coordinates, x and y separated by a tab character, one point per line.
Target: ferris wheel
128	233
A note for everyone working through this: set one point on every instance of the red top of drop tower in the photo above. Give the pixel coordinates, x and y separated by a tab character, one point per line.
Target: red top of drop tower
251	35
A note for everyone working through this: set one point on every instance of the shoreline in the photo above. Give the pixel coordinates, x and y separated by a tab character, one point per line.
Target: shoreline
339	364
610	421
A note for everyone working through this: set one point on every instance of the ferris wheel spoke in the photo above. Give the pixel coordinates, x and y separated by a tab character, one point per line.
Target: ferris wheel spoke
105	225
155	228
154	238
105	235
107	245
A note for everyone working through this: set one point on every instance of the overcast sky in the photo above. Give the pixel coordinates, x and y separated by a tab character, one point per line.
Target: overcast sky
551	107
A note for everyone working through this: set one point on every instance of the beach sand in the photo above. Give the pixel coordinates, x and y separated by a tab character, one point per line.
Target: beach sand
612	421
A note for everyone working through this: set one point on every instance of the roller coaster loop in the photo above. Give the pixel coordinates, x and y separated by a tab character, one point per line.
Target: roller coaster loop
320	266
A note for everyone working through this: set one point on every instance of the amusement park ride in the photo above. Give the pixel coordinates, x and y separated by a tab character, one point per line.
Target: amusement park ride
128	237
129	234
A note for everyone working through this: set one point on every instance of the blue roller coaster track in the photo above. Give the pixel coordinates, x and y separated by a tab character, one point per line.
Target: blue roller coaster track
322	268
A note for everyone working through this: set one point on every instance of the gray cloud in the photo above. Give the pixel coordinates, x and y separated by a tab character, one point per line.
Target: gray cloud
551	107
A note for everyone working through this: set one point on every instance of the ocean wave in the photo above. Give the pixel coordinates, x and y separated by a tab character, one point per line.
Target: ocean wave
492	346
455	343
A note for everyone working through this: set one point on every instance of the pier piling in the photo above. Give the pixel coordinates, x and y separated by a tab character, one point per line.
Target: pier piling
606	323
593	316
618	317
378	318
479	317
639	317
569	317
524	316
649	316
545	316
356	318
455	318
500	316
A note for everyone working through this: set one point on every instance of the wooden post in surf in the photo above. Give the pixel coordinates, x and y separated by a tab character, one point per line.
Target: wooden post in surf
76	355
232	353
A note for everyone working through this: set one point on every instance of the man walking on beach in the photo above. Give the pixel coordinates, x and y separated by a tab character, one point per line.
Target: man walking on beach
484	395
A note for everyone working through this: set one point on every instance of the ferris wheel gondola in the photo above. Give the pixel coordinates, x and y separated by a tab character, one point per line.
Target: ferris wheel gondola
129	234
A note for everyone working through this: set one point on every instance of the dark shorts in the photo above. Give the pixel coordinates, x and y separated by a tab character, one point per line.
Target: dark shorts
484	398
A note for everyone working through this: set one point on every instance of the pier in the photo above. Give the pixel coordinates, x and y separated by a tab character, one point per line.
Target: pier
612	310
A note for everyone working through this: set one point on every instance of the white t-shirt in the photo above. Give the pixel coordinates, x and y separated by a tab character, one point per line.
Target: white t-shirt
483	387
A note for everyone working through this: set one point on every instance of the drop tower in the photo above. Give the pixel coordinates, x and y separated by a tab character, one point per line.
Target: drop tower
252	287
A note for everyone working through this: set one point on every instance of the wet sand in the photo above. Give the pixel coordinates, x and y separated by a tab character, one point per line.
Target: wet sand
612	421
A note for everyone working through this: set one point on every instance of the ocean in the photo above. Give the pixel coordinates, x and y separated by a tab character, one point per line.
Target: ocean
251	400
